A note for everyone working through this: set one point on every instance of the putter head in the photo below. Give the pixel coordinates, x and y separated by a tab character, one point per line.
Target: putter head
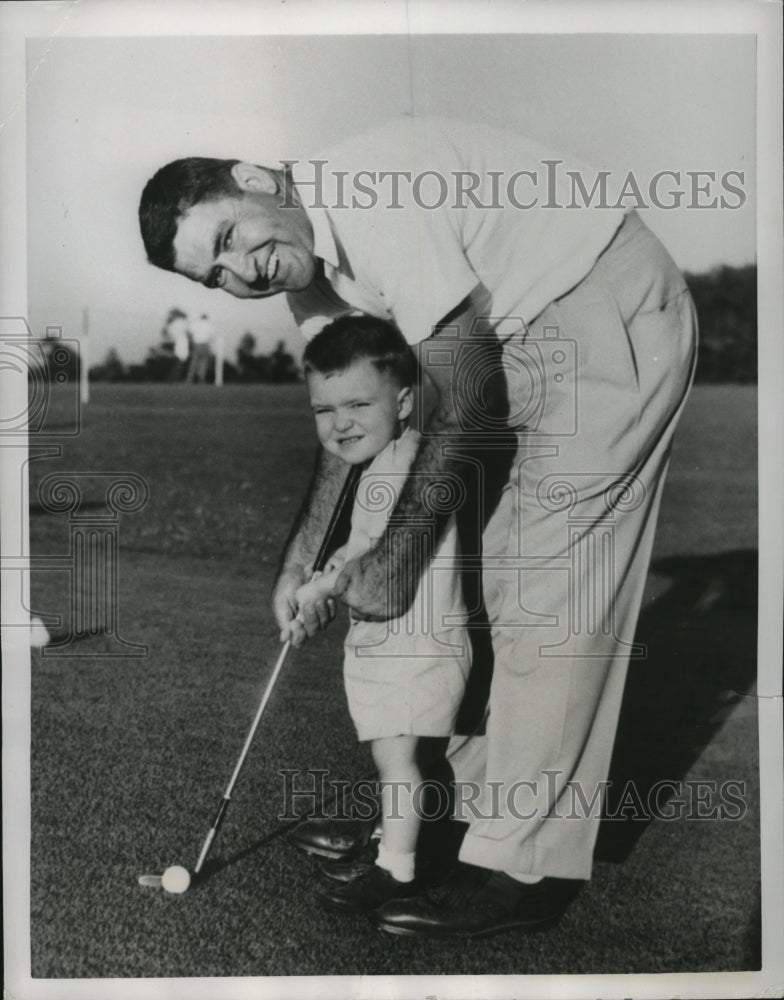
210	867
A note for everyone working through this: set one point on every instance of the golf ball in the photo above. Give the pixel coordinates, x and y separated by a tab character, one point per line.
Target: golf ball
39	636
176	879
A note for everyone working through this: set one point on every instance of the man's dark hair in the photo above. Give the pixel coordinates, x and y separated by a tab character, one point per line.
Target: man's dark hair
169	194
355	338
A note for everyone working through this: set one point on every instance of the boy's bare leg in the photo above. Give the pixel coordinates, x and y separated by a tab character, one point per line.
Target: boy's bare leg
392	876
399	778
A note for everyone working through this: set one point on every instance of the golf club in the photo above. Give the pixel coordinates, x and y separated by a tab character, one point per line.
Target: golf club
176	879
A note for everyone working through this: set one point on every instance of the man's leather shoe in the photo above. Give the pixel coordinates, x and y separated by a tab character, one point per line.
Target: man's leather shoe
479	902
333	838
367	892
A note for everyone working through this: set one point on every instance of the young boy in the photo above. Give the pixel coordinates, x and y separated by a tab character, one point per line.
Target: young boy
404	678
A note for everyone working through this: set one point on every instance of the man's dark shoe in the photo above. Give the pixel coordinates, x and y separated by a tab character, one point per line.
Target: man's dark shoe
333	838
479	902
367	892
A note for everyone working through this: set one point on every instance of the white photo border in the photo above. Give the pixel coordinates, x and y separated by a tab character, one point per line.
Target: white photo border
97	18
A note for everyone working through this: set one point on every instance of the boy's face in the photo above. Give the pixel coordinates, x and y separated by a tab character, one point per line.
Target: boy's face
358	411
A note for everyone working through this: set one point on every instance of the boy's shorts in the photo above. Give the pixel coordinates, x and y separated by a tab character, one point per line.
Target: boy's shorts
404	685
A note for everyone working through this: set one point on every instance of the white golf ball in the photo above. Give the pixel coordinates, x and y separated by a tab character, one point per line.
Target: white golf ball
176	879
39	635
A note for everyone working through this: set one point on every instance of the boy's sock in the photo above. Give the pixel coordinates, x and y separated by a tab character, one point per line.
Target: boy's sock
400	866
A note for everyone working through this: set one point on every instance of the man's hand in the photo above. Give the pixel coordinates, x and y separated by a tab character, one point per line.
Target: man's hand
284	601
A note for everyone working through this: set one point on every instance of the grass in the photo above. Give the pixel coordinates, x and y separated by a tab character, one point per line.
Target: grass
130	755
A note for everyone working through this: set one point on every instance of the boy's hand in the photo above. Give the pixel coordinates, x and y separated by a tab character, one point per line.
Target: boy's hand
303	609
313	592
316	604
294	633
294	622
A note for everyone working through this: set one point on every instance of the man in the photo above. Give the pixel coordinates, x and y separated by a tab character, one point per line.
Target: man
542	311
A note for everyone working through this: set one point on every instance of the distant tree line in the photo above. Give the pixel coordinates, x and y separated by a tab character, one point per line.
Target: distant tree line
277	366
726	301
160	365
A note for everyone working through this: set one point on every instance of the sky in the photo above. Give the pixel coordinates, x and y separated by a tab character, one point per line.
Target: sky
104	113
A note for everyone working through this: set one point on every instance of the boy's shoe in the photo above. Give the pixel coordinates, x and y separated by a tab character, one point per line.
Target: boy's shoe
344	838
347	869
333	838
368	891
476	903
430	871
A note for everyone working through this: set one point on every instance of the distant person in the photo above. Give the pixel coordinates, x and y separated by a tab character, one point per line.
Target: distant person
404	678
219	347
202	335
182	347
177	332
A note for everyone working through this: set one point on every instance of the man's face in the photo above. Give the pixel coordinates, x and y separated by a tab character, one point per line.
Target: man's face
246	244
358	411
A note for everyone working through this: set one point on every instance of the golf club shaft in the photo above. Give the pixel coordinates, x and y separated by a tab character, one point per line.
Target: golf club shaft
346	497
248	740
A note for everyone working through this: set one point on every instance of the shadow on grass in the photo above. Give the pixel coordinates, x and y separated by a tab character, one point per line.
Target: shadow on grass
701	639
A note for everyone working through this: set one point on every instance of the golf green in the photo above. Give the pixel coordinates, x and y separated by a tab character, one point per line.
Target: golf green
130	753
